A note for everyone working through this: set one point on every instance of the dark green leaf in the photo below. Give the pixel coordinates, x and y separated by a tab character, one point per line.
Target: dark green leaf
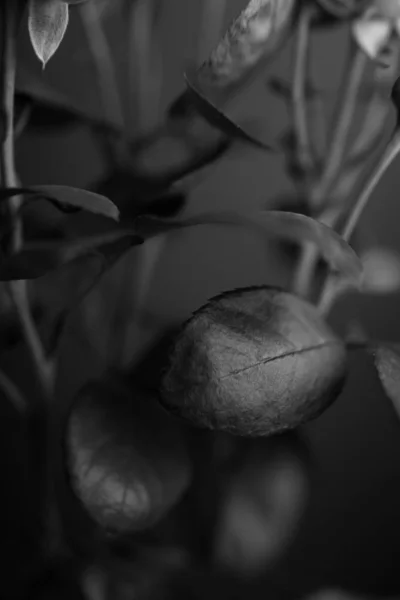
126	459
38	258
387	362
67	196
216	118
285	225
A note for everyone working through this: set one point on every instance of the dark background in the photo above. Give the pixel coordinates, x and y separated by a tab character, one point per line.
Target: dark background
350	536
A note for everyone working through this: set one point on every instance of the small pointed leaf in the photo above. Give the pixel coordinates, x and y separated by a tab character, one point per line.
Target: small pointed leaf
67	196
387	362
47	24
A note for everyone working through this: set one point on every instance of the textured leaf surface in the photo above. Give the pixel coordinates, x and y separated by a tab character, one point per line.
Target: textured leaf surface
254	362
125	456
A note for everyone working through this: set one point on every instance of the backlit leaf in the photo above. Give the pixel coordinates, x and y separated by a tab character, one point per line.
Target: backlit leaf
47	24
253	38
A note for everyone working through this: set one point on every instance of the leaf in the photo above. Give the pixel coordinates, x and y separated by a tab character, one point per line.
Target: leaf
284	225
254	38
387	362
67	197
261	503
47	24
381	271
260	344
125	456
38	258
217	119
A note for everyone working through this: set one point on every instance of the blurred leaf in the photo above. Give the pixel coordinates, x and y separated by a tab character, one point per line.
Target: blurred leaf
387	362
216	118
47	24
254	38
126	459
336	252
262	502
67	196
381	271
38	258
372	32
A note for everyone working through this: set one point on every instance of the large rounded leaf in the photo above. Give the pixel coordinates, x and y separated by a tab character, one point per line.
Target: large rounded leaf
126	459
253	362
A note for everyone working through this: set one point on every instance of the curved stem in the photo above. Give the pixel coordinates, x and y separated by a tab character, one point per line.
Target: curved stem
299	84
331	291
309	256
18	289
342	127
105	69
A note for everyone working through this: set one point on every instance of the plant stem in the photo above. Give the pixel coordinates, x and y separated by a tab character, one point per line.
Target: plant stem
330	291
105	70
342	126
309	255
299	91
18	289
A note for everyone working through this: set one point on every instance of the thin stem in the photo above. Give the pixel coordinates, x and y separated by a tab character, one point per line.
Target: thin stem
105	69
331	291
392	150
299	100
145	68
18	289
342	127
309	255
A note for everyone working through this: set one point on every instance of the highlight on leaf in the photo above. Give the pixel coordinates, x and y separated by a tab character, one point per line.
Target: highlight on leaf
254	362
253	38
47	24
387	362
125	456
65	196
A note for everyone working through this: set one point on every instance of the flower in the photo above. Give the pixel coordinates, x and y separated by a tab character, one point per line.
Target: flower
377	25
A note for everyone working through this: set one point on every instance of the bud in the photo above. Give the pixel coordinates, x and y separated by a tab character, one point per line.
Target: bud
254	362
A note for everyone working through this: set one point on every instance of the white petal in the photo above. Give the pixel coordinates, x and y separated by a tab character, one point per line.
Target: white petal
372	35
